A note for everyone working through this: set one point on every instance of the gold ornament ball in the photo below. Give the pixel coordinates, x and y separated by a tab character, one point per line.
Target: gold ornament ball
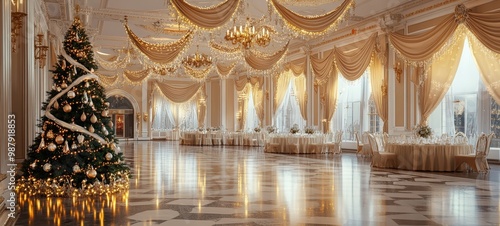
104	113
91	129
64	85
83	117
91	173
108	156
51	147
59	139
106	104
67	108
110	124
50	134
93	119
76	169
47	167
71	94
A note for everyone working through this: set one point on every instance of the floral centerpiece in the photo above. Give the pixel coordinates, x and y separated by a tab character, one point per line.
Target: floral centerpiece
423	131
201	129
256	129
295	129
271	129
309	130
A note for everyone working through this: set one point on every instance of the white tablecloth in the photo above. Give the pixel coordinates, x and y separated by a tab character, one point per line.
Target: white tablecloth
305	141
428	157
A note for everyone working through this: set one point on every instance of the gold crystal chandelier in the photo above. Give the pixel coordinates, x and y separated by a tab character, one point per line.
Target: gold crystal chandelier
247	35
197	60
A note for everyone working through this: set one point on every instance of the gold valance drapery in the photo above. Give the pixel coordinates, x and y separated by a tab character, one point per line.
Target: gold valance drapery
353	63
298	66
159	53
225	70
311	25
136	77
178	91
262	61
111	64
207	18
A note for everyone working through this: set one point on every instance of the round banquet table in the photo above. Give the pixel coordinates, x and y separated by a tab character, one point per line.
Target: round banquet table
428	157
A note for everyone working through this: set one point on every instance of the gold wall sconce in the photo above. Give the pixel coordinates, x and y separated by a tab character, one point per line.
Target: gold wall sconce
145	117
383	87
138	116
399	71
40	51
17	23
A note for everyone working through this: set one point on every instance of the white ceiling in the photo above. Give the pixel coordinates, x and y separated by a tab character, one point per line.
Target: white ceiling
104	18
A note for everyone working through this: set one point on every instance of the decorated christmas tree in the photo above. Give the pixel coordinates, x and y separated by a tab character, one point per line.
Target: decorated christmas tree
76	152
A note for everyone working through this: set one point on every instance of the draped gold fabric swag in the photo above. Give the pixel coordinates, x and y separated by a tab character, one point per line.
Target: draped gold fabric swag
352	64
298	66
225	70
260	61
448	36
136	77
314	25
107	80
208	18
178	91
159	53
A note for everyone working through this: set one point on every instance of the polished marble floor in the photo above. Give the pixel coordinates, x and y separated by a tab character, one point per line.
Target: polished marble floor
188	185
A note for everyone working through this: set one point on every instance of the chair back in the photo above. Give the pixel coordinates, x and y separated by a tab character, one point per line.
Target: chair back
490	137
356	134
385	138
338	137
481	145
460	138
373	143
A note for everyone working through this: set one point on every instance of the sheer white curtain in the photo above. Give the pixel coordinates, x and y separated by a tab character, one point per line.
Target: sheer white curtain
465	104
169	115
352	112
251	120
162	118
288	112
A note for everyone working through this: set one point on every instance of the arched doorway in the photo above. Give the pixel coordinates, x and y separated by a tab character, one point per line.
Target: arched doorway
122	113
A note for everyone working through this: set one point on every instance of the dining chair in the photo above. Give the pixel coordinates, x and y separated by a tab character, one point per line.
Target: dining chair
359	143
317	144
292	144
272	146
460	138
217	138
381	159
476	161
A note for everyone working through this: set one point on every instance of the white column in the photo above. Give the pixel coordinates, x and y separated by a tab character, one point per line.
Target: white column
223	97
5	103
310	91
208	116
145	131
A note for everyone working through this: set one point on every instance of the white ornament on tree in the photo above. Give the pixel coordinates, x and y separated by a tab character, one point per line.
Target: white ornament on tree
42	144
108	156
80	138
87	85
110	124
85	98
52	147
33	165
47	167
76	169
74	146
104	113
71	94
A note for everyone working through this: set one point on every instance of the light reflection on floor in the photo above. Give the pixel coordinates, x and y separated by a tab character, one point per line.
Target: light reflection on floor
186	185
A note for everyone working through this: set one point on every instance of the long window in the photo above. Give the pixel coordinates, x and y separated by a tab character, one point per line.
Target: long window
467	107
355	111
251	120
168	115
288	112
